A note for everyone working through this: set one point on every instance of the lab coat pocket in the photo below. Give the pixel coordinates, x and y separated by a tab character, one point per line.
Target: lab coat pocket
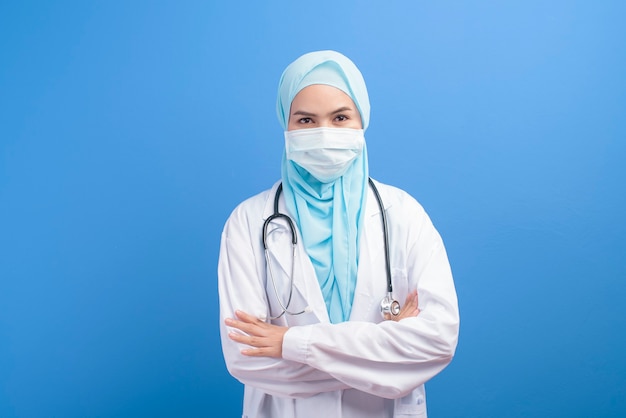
412	405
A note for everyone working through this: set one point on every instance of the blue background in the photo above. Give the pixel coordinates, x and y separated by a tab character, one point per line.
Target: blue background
129	131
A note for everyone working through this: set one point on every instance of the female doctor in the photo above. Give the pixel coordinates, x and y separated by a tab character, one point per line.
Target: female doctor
309	322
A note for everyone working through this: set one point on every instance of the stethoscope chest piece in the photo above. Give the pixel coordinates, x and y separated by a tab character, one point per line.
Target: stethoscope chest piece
389	306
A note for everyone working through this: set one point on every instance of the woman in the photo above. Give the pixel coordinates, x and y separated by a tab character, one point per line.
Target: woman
301	322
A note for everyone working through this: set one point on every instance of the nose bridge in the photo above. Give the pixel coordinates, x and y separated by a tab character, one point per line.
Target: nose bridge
326	121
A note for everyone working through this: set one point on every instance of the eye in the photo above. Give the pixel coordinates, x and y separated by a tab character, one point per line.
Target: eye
305	120
341	118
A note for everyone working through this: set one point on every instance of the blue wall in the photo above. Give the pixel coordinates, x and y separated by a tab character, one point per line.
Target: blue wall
128	132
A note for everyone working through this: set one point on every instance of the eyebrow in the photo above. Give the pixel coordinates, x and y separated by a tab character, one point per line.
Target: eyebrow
308	114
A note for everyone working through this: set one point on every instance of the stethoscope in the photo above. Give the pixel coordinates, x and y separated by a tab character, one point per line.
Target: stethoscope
388	306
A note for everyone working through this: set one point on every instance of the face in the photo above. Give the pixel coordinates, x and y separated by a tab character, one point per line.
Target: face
322	106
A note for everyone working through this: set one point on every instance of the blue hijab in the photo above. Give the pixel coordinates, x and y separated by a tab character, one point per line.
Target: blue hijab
328	215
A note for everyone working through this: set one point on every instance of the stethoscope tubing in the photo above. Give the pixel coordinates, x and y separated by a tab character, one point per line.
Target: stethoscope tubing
388	305
383	216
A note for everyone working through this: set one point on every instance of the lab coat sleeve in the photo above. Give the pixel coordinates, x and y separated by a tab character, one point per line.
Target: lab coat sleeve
390	359
241	286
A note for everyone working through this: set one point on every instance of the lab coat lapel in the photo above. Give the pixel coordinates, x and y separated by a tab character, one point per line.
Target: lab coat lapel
371	276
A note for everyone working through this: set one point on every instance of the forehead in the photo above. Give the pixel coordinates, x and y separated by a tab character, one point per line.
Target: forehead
321	96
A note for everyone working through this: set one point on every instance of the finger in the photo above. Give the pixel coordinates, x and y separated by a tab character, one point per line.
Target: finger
244	321
257	347
252	352
245	317
251	340
252	329
411	311
240	338
235	323
411	297
410	304
258	352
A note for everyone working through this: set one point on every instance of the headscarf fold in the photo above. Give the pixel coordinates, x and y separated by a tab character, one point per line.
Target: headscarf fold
329	215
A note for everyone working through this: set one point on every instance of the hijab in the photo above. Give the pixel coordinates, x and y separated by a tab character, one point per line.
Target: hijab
329	216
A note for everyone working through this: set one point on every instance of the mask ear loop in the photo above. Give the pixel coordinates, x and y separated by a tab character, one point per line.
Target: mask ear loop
388	306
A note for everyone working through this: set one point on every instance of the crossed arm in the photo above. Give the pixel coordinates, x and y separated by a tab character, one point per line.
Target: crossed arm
266	340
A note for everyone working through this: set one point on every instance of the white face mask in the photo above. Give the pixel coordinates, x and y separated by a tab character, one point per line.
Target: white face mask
326	153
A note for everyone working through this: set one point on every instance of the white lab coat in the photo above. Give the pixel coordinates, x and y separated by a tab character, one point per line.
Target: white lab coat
362	368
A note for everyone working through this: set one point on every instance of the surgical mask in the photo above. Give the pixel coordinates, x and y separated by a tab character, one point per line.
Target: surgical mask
326	153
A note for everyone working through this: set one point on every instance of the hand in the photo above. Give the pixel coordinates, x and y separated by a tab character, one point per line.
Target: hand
408	310
265	339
